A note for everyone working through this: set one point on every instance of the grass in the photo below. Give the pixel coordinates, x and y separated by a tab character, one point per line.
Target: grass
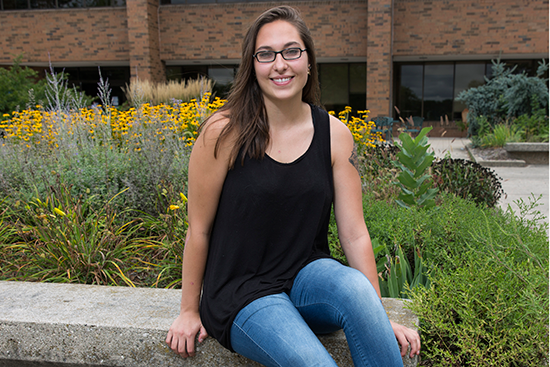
145	91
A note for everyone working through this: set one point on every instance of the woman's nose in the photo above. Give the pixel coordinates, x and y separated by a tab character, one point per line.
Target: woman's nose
280	62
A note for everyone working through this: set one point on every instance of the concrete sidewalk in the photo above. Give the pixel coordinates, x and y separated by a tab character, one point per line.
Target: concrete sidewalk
518	183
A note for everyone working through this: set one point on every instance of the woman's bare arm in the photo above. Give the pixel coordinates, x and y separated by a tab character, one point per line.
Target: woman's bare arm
206	177
352	230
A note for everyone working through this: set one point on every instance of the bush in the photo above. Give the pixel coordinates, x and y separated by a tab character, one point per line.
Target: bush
488	270
378	171
19	87
504	96
534	128
488	305
468	180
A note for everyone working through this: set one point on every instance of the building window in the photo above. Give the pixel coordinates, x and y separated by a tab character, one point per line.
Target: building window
168	2
222	75
343	85
429	89
53	4
86	79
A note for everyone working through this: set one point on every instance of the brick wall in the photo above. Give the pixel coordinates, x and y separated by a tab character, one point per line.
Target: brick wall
143	37
65	35
379	59
470	27
208	31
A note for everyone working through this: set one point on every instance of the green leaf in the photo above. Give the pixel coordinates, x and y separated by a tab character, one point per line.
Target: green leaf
407	180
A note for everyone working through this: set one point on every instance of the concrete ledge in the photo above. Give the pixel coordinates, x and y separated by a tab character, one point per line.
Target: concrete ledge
531	153
496	162
70	325
502	163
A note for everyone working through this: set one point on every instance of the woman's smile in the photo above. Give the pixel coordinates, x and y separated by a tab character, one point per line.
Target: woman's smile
282	81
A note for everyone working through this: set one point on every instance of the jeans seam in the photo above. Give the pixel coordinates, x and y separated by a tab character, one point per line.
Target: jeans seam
256	344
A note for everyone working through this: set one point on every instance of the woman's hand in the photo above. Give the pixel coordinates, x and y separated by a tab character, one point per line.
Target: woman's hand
406	337
182	333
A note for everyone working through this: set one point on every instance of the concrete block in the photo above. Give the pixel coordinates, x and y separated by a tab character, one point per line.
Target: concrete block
531	153
69	325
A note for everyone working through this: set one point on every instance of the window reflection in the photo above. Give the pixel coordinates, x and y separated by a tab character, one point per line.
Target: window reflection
343	85
334	86
410	90
429	89
466	76
15	4
438	91
52	4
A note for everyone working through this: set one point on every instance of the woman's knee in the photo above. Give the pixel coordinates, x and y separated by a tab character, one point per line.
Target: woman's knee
330	280
272	332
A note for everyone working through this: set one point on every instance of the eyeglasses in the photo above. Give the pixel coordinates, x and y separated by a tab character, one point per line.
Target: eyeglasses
291	53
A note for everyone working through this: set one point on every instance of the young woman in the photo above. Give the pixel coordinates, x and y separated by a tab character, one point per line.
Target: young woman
263	177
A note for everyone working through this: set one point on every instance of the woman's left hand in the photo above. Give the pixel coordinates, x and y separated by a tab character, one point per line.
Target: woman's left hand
406	337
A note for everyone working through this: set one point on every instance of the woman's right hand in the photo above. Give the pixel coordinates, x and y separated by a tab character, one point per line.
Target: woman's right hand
182	333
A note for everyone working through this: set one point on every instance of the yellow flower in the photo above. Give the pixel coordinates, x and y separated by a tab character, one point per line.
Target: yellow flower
173	207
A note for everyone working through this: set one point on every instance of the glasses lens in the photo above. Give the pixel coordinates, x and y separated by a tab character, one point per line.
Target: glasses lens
292	53
265	56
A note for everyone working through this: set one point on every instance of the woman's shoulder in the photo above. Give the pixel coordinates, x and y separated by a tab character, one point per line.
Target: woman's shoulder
338	130
216	123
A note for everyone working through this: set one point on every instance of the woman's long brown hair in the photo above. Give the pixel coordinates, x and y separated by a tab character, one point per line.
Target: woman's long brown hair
245	106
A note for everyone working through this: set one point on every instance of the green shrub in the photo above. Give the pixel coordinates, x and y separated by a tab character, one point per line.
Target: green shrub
488	305
468	180
488	271
19	87
534	127
501	134
504	96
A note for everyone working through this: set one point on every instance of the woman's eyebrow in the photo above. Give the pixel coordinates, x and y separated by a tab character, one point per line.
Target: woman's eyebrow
287	45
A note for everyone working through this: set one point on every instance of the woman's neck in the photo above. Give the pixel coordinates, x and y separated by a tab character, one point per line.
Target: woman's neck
286	113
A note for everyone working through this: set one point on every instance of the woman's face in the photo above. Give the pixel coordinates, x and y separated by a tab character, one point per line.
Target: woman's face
281	79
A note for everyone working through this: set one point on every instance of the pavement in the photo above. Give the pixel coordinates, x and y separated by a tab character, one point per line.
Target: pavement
518	183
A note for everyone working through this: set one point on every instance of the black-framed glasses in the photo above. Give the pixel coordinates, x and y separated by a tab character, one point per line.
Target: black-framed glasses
291	53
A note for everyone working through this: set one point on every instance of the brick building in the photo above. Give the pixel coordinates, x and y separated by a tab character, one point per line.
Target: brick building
413	54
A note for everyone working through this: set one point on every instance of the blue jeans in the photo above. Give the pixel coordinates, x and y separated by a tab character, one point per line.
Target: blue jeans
279	330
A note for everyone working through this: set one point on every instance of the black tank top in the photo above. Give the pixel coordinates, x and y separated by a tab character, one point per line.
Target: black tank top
272	220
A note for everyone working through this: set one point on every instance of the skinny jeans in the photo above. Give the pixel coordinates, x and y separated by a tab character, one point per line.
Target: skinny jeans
280	330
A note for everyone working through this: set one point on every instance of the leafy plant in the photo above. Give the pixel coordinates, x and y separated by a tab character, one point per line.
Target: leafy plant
414	160
468	180
19	87
68	241
503	96
397	278
534	128
500	135
489	304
